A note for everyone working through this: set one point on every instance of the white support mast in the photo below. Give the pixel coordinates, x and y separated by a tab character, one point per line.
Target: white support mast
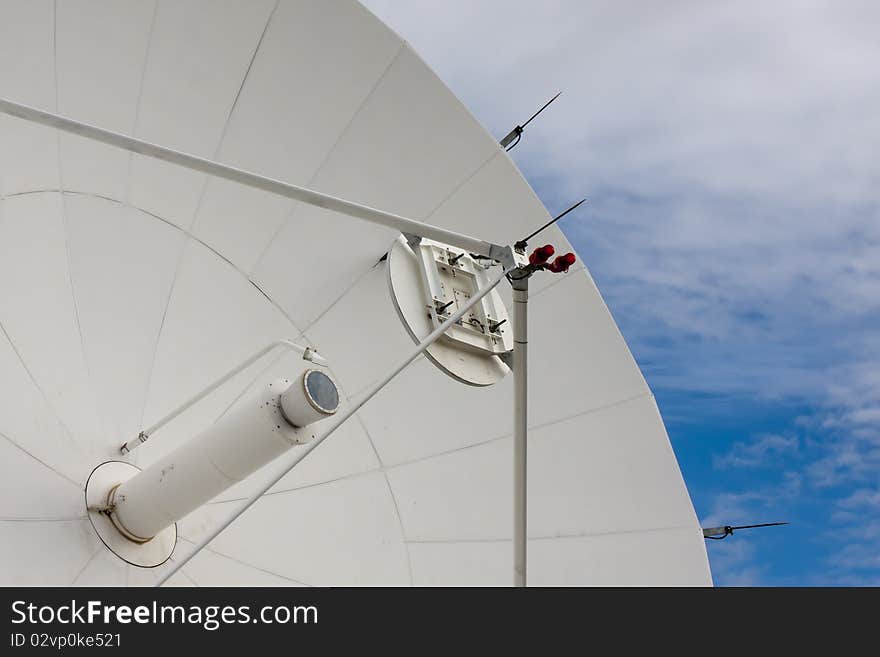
520	424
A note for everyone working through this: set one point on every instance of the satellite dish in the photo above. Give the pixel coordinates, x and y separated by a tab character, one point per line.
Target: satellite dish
136	287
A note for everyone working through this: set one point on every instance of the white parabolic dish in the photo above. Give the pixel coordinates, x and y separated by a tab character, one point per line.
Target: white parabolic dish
127	284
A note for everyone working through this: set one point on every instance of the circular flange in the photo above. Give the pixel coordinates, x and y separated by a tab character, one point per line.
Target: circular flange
149	554
407	292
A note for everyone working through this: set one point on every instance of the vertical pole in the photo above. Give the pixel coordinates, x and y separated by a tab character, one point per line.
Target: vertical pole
520	424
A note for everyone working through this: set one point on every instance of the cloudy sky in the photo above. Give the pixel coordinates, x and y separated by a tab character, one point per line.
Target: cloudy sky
729	153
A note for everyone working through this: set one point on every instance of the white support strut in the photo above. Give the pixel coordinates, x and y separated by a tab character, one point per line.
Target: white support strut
520	425
292	458
302	194
308	354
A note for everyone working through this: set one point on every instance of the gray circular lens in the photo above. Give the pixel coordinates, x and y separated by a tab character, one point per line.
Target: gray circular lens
323	391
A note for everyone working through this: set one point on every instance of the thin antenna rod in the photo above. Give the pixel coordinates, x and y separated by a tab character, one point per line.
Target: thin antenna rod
720	533
541	110
522	243
766	524
512	138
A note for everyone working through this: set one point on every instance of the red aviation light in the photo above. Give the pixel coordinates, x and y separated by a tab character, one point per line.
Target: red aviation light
541	255
562	263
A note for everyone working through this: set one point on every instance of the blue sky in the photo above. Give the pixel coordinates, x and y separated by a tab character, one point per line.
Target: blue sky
729	153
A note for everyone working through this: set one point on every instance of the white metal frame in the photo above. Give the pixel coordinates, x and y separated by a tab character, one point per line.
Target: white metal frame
433	258
509	258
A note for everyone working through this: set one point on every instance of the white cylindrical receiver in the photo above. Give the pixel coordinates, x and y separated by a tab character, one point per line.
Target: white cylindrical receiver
238	444
315	398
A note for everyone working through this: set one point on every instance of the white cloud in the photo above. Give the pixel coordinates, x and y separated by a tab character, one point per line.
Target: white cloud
752	97
754	505
863	498
856	556
733	562
764	450
729	152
